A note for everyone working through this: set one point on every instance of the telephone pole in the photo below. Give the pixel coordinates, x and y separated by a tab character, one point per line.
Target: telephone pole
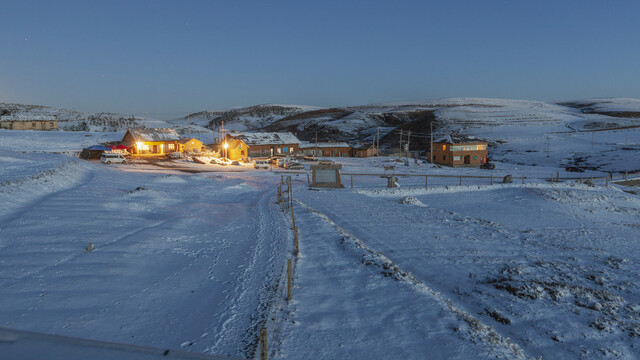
378	142
400	142
431	142
408	144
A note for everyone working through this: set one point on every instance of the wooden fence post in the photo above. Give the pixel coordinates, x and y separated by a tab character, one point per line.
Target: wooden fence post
352	181
308	180
625	176
264	354
580	179
289	279
426	182
296	241
558	176
523	179
491	179
461	180
293	219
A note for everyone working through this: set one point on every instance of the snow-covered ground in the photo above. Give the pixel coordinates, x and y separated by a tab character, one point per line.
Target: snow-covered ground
194	260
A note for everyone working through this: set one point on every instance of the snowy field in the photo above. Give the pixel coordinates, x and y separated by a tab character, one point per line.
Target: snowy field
194	260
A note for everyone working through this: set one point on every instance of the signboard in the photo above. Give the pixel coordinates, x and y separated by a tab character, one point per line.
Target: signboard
326	176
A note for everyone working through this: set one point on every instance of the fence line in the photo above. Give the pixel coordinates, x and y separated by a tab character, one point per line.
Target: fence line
284	290
553	178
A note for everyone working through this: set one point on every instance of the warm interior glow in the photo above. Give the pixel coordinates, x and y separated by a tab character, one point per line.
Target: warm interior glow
139	145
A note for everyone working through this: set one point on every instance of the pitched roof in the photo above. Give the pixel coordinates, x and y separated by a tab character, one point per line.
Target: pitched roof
266	138
311	145
163	134
184	141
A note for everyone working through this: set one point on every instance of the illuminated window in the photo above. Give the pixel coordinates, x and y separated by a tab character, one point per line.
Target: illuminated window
171	146
145	147
444	147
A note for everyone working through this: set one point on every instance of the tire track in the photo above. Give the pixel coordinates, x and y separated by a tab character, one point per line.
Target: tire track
502	346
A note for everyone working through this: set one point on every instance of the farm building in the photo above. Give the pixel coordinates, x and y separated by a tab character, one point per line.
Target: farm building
264	144
236	150
44	124
464	154
364	151
189	145
151	141
331	149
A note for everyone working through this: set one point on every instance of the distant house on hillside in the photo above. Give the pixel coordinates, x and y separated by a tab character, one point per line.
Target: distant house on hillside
151	141
331	149
33	124
263	144
469	154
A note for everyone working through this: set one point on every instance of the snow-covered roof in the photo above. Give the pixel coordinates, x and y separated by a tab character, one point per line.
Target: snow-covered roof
264	138
27	117
184	141
310	145
163	134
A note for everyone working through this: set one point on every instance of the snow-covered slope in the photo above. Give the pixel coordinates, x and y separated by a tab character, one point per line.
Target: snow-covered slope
243	119
77	121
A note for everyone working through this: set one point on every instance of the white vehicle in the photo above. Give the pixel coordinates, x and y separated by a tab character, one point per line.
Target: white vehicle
282	161
109	158
261	164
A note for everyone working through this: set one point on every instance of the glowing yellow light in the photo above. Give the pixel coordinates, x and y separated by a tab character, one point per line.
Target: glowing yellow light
226	146
139	145
444	147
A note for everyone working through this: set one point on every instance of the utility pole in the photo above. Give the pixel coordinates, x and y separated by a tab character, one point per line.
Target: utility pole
548	147
378	142
316	152
431	141
408	144
400	142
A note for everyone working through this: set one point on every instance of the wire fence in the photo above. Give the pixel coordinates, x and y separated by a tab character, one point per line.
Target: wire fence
442	180
271	335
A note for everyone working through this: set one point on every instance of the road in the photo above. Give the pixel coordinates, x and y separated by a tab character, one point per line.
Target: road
180	260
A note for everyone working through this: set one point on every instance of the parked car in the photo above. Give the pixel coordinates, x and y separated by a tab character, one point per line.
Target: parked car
310	158
261	164
109	158
294	166
488	166
235	162
325	162
274	159
282	161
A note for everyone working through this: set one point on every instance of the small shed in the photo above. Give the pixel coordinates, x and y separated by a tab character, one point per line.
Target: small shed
236	149
94	152
189	145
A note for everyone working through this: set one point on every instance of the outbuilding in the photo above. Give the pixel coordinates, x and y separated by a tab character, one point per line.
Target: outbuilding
460	154
189	145
265	144
327	149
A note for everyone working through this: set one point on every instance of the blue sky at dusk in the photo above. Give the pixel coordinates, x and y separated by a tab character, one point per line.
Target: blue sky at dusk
167	58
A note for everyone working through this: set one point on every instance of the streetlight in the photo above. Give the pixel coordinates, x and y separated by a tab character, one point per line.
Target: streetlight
226	146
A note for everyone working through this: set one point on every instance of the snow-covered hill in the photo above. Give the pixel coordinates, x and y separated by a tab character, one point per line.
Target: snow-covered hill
72	120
